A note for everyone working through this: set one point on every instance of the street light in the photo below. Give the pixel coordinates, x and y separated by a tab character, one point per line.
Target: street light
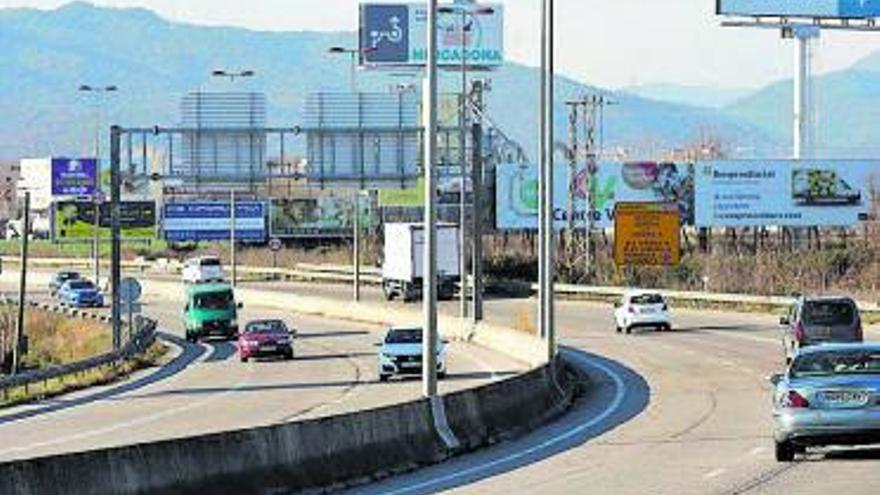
462	139
99	92
353	53
233	75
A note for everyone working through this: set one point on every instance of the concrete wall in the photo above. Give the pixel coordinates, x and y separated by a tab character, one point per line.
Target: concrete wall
317	453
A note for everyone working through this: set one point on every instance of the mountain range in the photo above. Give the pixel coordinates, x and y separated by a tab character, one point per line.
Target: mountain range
47	55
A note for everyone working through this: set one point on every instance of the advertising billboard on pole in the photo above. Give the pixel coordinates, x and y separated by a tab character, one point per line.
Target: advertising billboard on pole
517	192
395	35
75	220
210	221
826	9
647	234
786	193
74	176
320	217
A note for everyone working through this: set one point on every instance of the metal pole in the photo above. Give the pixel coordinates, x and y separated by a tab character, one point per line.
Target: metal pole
22	286
547	233
356	222
477	215
115	244
429	281
542	164
462	204
801	97
232	240
96	231
353	69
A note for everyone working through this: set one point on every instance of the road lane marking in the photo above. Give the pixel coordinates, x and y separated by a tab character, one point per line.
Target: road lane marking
714	473
619	395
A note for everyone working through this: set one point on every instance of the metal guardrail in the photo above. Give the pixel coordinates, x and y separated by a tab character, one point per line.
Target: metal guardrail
140	342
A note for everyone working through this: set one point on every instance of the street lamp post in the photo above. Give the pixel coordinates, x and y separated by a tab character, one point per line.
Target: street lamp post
429	282
99	92
546	225
233	241
462	205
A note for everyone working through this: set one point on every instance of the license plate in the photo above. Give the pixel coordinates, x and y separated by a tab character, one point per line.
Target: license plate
268	348
647	310
843	398
411	365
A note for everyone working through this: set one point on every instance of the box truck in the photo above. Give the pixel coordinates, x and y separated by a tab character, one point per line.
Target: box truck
403	266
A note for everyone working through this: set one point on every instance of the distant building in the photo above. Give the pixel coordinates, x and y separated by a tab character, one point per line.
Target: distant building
36	177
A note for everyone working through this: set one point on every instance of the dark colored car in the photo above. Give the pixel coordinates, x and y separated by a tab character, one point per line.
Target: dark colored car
265	338
60	278
817	320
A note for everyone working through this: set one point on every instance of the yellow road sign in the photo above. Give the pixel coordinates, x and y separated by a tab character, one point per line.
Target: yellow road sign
647	234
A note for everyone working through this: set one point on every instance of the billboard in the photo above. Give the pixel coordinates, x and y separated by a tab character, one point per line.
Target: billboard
831	9
210	221
785	193
396	35
517	192
75	220
74	177
647	234
318	217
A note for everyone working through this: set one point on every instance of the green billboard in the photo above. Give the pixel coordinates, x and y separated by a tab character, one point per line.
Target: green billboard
75	220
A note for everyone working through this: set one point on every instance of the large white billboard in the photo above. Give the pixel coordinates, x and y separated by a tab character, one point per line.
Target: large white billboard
843	9
785	192
517	192
396	35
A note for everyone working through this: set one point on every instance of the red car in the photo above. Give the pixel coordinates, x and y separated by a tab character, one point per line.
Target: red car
265	338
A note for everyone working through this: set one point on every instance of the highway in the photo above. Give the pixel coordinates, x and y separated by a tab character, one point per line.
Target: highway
206	389
686	412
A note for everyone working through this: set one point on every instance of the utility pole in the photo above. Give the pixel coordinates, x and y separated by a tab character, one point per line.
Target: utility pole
356	220
429	281
115	238
18	347
477	215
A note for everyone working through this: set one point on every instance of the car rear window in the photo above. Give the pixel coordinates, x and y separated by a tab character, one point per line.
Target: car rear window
647	299
210	262
81	285
404	336
830	313
850	362
264	327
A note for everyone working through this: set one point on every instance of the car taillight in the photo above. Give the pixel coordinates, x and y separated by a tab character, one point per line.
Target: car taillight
632	310
799	334
794	400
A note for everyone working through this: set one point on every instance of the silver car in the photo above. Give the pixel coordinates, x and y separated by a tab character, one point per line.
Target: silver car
830	395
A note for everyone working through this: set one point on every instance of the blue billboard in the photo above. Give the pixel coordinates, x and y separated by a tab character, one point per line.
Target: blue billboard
385	33
829	9
210	221
74	176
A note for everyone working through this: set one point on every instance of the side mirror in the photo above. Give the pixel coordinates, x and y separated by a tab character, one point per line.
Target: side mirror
186	308
783	320
444	341
239	305
377	344
775	378
617	304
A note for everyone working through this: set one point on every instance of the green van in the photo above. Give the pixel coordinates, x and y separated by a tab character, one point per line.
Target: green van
210	311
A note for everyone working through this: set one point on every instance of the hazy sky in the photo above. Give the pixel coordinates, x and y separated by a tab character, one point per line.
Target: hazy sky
612	43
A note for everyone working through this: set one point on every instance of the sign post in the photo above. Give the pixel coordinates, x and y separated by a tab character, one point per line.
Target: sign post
647	234
275	246
129	294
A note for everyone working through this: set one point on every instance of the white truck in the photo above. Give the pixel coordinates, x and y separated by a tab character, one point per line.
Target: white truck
403	267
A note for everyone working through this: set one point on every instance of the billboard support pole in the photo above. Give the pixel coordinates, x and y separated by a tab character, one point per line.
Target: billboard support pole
477	212
429	281
18	348
115	247
96	238
547	234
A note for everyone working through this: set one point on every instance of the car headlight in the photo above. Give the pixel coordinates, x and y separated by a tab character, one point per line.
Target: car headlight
283	340
233	322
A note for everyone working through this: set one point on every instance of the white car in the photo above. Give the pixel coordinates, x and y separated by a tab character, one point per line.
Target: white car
642	309
203	269
400	353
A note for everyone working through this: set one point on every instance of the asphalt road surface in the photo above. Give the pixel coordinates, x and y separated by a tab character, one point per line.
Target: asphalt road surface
206	389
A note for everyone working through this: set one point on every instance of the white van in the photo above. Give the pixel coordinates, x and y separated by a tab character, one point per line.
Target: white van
203	269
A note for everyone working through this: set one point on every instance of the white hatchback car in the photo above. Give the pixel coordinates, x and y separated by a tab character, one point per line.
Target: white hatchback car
642	309
400	353
203	269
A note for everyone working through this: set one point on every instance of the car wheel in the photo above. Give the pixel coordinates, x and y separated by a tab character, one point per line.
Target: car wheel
288	356
243	359
628	330
441	375
384	378
784	451
617	327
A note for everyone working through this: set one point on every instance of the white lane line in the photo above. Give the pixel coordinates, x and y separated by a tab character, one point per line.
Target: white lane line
619	395
128	424
757	451
714	473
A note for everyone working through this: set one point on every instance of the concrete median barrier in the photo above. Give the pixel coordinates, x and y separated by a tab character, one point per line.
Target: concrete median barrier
334	451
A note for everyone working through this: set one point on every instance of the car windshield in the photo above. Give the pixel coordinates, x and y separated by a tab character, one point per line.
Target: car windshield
268	326
68	275
829	313
647	299
831	363
81	285
404	336
214	300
